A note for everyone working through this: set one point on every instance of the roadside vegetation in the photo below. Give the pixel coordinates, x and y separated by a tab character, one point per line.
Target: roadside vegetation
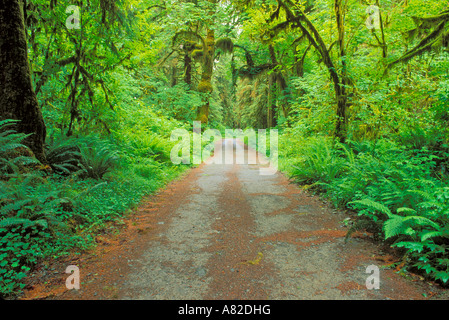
359	91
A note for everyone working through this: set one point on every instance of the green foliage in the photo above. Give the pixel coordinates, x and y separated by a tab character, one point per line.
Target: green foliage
113	91
96	160
94	181
20	249
179	102
399	192
63	155
321	162
13	153
29	210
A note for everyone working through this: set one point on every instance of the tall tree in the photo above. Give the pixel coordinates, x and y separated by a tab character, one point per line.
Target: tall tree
17	98
297	18
340	130
205	84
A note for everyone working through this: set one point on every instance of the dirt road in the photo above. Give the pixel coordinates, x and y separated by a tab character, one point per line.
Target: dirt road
227	232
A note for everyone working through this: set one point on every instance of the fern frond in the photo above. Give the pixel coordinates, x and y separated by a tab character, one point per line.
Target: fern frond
405	210
4	123
423	194
433	234
373	205
397	225
14	222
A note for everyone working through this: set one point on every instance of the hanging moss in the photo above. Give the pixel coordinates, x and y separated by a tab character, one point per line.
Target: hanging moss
433	41
197	54
225	44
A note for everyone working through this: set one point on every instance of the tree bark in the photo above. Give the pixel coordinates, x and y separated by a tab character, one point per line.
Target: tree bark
272	88
271	101
205	84
340	130
188	68
17	98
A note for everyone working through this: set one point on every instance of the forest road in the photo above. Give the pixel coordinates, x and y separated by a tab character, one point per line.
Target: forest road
228	232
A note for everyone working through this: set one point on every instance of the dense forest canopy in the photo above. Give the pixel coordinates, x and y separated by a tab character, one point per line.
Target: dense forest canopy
92	89
182	49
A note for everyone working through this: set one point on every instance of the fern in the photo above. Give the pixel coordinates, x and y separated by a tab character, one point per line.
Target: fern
10	139
25	200
26	223
63	155
398	225
406	210
322	163
373	205
11	160
442	232
95	162
423	194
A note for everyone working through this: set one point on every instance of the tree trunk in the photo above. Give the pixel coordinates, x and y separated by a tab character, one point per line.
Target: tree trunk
340	130
312	34
382	32
205	84
188	68
17	97
174	74
272	86
282	89
271	101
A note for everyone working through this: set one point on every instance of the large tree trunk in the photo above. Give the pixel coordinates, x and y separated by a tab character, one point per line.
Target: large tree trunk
205	84
17	97
280	87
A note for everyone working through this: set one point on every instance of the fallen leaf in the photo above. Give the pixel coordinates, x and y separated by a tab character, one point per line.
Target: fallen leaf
256	261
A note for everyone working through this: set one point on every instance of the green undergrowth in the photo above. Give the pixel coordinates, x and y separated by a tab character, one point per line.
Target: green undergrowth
90	182
399	190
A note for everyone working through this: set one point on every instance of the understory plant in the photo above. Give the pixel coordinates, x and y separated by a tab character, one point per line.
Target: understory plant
57	209
400	194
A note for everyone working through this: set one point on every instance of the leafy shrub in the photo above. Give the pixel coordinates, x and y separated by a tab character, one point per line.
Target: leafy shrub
23	203
418	137
96	162
178	101
29	218
46	214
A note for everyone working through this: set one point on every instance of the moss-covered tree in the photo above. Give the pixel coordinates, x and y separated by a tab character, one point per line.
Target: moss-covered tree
18	99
